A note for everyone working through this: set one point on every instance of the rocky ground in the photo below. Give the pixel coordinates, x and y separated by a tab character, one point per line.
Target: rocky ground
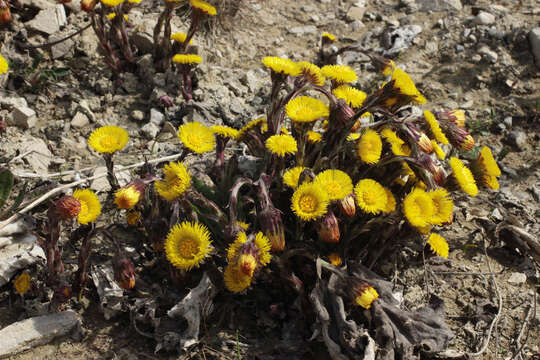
474	55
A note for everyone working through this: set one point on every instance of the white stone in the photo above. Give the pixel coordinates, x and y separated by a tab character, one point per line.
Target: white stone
156	117
301	30
355	13
150	130
61	49
80	120
48	21
9	102
489	54
517	278
534	40
102	184
484	18
19	253
39	330
439	5
23	117
40	156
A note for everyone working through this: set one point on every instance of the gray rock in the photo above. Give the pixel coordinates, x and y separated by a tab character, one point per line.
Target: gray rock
301	30
137	115
23	117
156	117
357	25
400	39
84	106
102	184
89	42
20	252
150	130
439	5
534	40
129	82
460	48
518	139
496	214
237	106
355	13
10	102
39	330
517	278
508	121
61	49
488	54
40	157
80	120
252	79
49	20
484	18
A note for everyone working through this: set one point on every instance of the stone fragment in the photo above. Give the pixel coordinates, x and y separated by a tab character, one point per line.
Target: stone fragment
137	115
496	214
301	30
19	252
110	294
252	80
534	40
517	278
39	330
518	139
49	20
41	4
61	49
102	184
484	18
488	54
355	13
156	117
10	102
150	130
40	156
23	117
80	120
439	5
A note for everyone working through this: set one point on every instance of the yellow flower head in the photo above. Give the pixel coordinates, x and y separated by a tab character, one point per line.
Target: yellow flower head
370	196
90	205
391	136
262	248
177	181
251	125
353	136
328	36
366	296
339	73
243	225
246	264
336	183
312	73
187	245
4	66
309	201
370	147
314	137
306	109
291	176
400	149
438	245
438	150
108	139
180	37
463	176
388	68
111	3
235	280
22	283
460	117
418	208
225	131
127	197
335	259
112	15
281	145
203	6
133	218
488	163
405	86
443	206
197	137
187	59
353	97
390	202
490	182
435	128
263	245
234	248
282	65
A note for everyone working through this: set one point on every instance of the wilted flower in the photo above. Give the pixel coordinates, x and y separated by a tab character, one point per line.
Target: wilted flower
5	17
335	259
88	5
272	226
328	228
133	218
187	245
68	207
347	206
124	272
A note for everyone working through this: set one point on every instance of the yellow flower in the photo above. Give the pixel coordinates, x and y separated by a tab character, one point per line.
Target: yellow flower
306	109
460	117
370	196
243	225
438	245
225	131
400	149
197	137
335	259
328	36
177	181
314	137
339	73
281	65
232	251
291	176
22	283
463	176
203	6
391	136
246	264
353	97
366	296
111	3
187	59
438	150
127	197
90	205
235	280
180	37
488	163
405	85
353	136
187	245
435	128
312	73
249	126
336	183
108	139
133	218
390	202
388	68
370	147
418	208
263	245
113	15
4	66
309	201
281	145
134	1
443	206
490	182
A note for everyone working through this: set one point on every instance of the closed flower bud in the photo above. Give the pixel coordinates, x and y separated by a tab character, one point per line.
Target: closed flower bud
340	113
124	272
458	137
455	116
68	207
328	228
425	144
5	15
347	205
88	5
272	226
439	175
128	196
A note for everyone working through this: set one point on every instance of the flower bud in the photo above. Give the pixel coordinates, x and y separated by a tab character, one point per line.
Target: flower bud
347	205
128	196
133	218
68	207
5	15
425	144
247	264
124	272
458	137
364	294
272	226
340	113
335	259
22	283
328	228
455	116
88	5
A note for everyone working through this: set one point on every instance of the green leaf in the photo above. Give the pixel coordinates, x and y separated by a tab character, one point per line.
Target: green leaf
6	183
18	201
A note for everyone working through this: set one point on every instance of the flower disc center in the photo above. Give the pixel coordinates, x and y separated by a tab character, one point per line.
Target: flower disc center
188	247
